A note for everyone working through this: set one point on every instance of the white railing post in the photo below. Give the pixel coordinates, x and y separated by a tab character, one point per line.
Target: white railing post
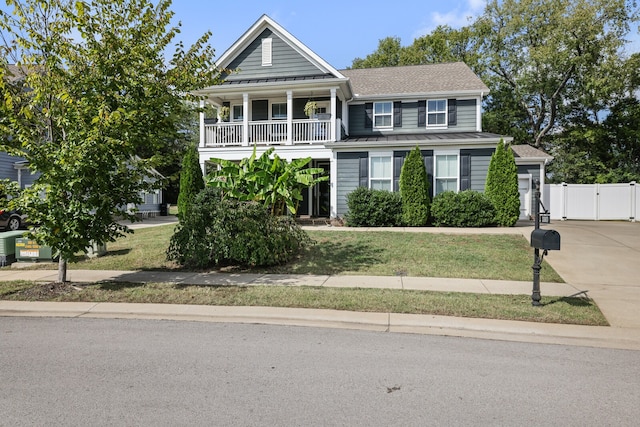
245	119
289	118
334	116
202	136
564	196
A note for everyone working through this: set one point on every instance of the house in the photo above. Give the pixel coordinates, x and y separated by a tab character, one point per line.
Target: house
362	123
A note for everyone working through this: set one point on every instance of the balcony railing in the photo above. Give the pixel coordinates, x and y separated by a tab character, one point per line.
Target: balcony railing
226	134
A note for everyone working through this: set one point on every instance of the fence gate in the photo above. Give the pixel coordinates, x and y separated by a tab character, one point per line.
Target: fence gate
594	201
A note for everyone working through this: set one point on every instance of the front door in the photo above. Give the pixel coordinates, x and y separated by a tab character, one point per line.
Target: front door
321	192
524	188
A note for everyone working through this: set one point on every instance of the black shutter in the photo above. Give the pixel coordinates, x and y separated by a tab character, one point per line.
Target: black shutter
368	115
422	114
398	161
453	112
397	114
364	170
465	171
427	157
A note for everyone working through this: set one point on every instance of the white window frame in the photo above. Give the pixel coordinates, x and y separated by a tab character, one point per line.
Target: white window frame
437	154
389	114
267	52
271	104
436	112
233	117
381	155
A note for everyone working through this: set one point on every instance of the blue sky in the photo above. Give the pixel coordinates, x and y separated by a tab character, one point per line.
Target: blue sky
338	31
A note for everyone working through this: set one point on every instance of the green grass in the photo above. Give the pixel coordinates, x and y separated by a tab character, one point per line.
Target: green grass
378	253
580	311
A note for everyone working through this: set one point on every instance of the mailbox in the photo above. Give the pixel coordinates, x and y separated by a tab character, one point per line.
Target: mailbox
545	239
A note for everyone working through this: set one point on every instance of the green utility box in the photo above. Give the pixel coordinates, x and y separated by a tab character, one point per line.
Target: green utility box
30	250
8	246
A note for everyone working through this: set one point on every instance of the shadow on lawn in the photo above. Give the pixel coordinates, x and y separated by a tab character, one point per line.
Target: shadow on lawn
331	258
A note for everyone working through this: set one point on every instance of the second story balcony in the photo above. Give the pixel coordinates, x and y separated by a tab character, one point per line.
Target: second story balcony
272	132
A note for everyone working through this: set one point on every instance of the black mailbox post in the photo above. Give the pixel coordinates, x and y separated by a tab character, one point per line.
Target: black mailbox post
541	239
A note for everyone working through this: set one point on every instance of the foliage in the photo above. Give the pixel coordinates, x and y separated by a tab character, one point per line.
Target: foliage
94	92
225	231
464	209
414	190
532	57
276	183
224	113
501	186
310	108
374	208
191	181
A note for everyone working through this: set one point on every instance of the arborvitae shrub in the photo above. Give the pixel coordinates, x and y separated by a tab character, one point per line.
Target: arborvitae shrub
219	232
464	209
191	180
414	190
502	186
373	208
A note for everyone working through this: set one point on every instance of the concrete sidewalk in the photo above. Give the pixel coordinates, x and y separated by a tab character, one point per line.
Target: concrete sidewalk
607	337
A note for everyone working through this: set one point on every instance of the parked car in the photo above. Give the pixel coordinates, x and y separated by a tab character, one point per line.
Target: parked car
10	220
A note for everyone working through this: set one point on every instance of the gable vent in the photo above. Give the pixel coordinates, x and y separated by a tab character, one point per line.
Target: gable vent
266	51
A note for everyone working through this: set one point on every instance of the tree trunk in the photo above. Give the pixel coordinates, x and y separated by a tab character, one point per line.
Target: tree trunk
62	270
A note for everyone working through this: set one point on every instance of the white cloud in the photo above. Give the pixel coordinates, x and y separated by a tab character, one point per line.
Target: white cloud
458	17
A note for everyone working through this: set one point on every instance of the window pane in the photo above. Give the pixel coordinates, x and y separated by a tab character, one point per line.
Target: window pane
443	185
382	121
237	112
279	111
381	167
447	166
382	108
381	184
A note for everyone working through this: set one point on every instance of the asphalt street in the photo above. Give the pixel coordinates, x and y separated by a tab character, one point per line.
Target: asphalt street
60	371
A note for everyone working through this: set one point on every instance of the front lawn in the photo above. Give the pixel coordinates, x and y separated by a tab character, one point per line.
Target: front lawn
382	253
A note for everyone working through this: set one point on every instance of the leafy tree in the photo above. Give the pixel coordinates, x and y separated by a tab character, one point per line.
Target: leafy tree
96	91
191	180
273	181
547	53
501	186
387	55
414	190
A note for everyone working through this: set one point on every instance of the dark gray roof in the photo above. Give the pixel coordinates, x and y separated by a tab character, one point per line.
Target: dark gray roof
15	72
526	151
414	79
279	79
443	136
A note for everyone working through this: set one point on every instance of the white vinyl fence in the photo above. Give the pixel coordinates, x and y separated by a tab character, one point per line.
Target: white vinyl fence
593	201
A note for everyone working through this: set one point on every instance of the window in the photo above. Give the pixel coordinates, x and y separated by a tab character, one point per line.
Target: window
437	112
266	51
380	173
446	175
237	113
383	115
279	111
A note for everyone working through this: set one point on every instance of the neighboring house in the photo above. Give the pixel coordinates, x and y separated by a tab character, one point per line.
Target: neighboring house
365	123
17	169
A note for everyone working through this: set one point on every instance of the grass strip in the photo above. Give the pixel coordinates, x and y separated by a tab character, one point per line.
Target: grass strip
579	311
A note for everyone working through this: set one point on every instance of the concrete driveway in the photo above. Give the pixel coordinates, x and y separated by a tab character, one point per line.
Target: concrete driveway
603	258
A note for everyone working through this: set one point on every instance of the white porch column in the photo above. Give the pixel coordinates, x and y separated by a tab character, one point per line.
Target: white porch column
345	117
289	117
202	135
333	185
334	116
245	119
203	166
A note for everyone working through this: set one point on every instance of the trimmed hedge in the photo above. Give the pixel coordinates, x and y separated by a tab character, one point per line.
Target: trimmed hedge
219	232
374	208
502	186
464	209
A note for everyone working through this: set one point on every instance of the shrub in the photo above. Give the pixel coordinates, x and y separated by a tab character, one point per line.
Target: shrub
414	190
502	186
224	231
191	180
374	208
464	209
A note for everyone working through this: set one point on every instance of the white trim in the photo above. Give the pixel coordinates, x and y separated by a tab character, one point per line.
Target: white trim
390	114
445	112
437	153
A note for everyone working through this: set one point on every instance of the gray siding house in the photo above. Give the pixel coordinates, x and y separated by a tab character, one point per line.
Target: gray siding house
365	123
